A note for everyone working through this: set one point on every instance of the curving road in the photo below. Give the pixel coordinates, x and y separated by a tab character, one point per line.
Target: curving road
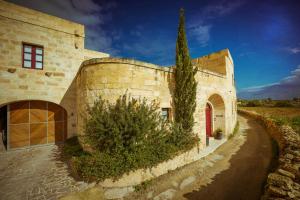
245	178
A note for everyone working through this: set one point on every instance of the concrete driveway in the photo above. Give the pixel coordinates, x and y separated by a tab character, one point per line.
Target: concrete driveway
35	173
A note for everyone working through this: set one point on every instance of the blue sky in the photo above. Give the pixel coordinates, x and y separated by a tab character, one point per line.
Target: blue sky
262	36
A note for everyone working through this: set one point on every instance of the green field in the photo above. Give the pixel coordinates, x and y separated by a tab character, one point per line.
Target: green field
281	115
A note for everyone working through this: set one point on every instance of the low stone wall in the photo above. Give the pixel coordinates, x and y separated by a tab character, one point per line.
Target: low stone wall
141	175
284	182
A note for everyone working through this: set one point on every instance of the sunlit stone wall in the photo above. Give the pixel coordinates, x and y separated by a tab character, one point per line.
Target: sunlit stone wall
63	44
113	77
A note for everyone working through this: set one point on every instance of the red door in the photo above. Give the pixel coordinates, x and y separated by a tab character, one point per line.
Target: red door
208	120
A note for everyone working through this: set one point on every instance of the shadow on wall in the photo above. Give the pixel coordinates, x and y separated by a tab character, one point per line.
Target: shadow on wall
171	86
3	128
68	102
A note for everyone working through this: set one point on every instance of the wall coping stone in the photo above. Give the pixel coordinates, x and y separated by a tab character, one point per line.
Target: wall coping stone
95	61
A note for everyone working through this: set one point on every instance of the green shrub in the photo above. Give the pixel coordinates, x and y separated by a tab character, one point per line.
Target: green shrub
126	136
218	133
72	147
129	125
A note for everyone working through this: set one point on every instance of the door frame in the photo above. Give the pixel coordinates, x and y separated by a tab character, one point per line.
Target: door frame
65	126
3	121
208	104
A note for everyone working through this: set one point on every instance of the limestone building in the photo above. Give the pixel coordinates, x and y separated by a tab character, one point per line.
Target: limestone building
47	77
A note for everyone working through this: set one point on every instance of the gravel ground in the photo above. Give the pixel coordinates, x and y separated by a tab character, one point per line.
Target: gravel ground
35	173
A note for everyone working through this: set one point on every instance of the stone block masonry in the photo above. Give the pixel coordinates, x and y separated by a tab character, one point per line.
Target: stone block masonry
113	77
73	76
63	44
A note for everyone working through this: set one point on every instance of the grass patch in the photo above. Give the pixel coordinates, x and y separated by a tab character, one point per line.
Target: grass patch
281	115
235	130
143	186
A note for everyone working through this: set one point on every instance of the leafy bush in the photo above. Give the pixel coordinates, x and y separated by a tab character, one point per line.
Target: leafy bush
218	133
126	136
127	125
72	147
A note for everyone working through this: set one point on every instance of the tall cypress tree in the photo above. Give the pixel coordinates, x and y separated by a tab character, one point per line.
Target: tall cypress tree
185	83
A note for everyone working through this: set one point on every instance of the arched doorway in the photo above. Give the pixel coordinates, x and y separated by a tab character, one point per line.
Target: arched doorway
214	115
208	117
35	123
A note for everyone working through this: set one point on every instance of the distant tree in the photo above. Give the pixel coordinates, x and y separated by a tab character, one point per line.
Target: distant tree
253	103
185	83
283	103
269	99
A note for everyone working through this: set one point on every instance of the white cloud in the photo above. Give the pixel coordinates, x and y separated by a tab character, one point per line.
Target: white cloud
286	88
221	8
199	26
202	34
86	12
158	48
293	50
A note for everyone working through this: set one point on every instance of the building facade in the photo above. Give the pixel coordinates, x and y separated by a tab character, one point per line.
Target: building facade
47	78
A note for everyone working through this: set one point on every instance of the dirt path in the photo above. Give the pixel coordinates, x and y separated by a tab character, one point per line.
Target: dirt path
247	172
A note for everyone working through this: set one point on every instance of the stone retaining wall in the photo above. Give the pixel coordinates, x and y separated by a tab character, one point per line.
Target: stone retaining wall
284	182
138	176
125	185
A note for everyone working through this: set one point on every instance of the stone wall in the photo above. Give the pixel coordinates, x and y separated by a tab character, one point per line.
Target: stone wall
141	175
217	88
112	77
284	182
214	62
64	52
63	43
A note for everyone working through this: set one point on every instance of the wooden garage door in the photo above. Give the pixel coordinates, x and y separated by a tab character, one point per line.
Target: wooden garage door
36	122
